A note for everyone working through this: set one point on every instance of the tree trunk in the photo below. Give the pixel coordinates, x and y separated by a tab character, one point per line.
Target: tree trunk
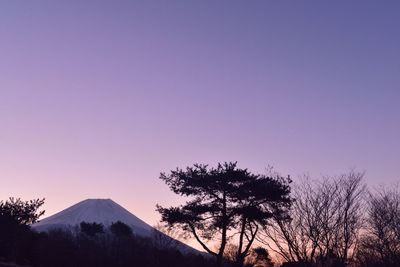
221	251
239	261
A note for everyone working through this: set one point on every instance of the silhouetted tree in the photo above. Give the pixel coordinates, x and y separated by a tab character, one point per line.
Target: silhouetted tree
262	257
15	236
380	246
22	212
64	248
91	229
58	247
223	200
121	229
258	257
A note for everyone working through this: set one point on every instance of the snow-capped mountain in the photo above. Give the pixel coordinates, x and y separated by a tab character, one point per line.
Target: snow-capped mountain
103	211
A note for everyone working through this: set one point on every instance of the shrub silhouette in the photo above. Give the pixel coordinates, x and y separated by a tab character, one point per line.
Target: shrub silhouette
121	229
91	229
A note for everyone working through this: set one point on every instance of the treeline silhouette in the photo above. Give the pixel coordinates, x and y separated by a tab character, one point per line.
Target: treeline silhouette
331	222
90	244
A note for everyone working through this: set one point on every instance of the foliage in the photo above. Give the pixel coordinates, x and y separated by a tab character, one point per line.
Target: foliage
22	212
120	229
259	257
15	236
91	229
65	249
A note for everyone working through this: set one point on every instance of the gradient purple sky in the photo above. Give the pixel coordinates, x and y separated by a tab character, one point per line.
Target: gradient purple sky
98	97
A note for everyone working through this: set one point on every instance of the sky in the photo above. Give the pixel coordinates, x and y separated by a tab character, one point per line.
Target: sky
98	97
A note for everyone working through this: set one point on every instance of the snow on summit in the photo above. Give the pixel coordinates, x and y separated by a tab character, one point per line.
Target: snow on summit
103	211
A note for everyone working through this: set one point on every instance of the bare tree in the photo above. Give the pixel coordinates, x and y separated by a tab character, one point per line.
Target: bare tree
350	215
381	244
326	219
